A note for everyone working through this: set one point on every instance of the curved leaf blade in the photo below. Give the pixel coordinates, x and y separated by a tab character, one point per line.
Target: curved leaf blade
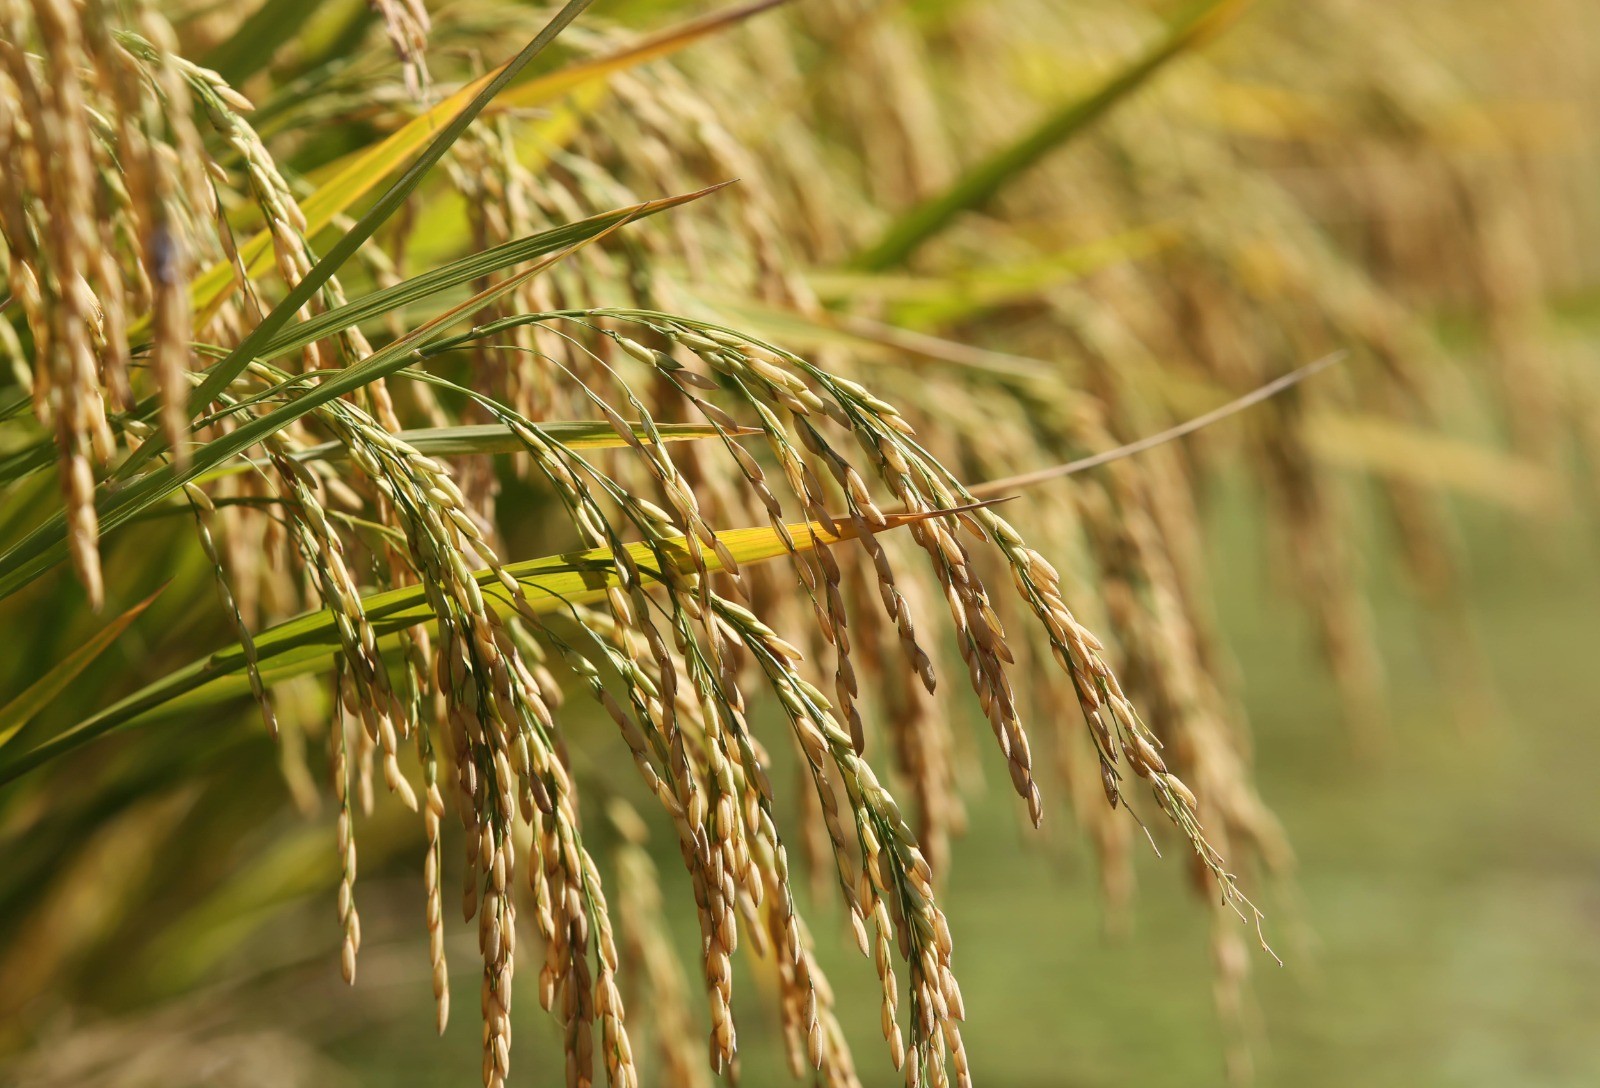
353	177
306	643
220	375
42	454
27	705
115	505
471	439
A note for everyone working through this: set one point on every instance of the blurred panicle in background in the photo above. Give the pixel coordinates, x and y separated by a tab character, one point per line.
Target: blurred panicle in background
968	241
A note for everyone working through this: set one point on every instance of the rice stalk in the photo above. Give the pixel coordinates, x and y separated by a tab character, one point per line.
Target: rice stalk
337	455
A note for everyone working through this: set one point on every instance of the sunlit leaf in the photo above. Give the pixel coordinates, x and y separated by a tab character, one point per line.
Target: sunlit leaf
462	114
342	184
46	545
306	643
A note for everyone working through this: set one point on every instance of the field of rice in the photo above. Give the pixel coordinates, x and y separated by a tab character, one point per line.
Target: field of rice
854	541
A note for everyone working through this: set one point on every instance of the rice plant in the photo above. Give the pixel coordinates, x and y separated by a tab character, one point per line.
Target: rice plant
663	382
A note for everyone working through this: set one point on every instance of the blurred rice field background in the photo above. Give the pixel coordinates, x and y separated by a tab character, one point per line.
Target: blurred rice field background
1032	231
1443	927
